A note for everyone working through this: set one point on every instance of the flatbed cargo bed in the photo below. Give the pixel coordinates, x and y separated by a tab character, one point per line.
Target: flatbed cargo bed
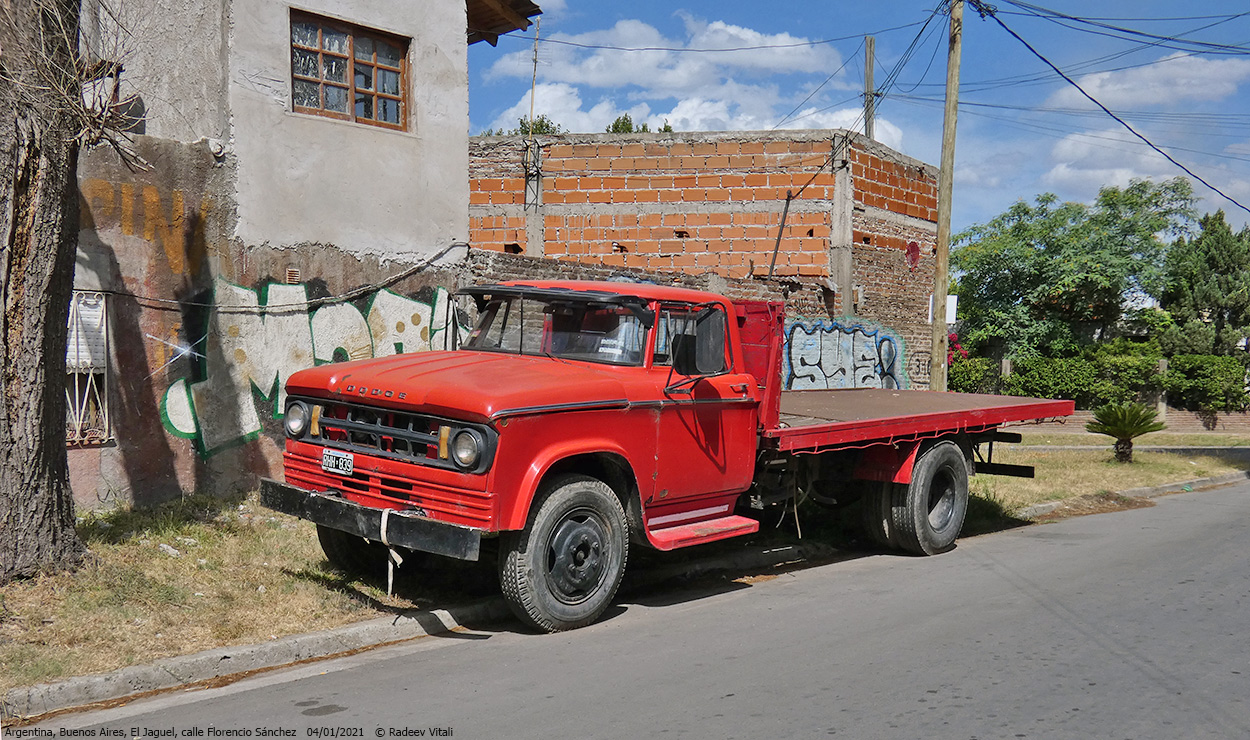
823	419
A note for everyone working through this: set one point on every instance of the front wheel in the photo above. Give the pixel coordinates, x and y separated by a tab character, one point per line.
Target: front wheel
563	569
351	554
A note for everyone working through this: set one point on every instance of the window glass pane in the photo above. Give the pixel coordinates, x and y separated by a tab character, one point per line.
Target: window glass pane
364	49
334	69
364	77
388	110
364	106
304	34
388	82
304	63
336	99
306	95
335	41
388	54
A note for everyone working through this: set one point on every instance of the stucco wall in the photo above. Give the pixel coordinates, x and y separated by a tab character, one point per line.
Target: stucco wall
172	52
205	330
367	190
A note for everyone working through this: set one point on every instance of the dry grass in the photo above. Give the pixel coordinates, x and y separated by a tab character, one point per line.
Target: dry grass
189	576
1065	474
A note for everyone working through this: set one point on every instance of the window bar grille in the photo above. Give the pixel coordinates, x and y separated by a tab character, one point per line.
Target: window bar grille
87	353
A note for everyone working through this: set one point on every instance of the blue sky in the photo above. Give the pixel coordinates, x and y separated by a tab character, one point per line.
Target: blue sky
1023	130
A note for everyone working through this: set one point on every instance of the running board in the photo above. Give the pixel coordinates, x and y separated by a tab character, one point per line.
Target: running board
685	535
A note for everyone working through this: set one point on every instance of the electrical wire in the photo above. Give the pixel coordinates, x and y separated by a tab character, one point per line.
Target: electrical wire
988	12
297	305
1121	32
685	50
821	85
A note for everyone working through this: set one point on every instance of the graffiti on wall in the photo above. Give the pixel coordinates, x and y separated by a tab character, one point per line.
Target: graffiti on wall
820	355
255	340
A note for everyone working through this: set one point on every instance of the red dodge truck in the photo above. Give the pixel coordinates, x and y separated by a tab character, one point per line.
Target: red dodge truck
579	418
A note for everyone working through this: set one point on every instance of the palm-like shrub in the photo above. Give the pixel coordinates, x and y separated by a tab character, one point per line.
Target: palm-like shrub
1124	421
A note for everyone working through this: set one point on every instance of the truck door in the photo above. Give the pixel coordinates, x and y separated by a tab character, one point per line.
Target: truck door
707	431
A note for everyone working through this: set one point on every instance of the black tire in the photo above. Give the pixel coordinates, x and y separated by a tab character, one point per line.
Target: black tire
929	512
877	516
563	569
351	554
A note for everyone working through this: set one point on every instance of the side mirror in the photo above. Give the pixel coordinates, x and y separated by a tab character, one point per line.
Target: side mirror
702	353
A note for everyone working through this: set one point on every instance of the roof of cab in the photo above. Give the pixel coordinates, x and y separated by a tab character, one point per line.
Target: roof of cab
648	291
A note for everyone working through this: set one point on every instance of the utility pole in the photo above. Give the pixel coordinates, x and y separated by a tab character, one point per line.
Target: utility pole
946	180
870	92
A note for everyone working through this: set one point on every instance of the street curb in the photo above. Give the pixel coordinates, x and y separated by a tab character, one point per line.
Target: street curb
187	670
1037	510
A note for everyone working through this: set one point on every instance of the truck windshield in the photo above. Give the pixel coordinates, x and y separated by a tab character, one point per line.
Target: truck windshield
571	330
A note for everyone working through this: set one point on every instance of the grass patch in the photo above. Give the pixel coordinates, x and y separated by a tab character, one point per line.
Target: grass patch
1077	436
187	576
1063	474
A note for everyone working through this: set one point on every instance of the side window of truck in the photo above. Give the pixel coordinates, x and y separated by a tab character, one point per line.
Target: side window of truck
678	321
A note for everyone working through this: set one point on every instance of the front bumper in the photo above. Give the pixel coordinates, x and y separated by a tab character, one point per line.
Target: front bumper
403	529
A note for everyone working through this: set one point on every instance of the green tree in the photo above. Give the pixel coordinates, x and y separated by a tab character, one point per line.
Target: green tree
1207	290
543	125
1124	422
625	125
1044	279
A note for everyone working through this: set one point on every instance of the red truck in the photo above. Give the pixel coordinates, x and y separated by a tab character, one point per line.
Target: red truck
579	418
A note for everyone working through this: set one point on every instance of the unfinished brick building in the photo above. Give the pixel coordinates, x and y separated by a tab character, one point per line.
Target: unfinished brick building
860	224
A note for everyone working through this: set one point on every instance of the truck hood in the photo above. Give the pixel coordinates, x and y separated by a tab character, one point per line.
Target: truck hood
465	385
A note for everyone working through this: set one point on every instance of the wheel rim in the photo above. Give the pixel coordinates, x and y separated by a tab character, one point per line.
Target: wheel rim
941	501
576	557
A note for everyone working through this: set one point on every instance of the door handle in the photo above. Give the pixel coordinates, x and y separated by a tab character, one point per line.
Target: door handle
739	388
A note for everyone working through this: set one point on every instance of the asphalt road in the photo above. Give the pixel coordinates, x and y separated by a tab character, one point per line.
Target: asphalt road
1125	625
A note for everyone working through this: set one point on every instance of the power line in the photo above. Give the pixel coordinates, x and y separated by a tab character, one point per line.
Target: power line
1056	132
719	50
1122	32
985	11
821	85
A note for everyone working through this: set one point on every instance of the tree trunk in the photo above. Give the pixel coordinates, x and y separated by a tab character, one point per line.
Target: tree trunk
40	101
1124	450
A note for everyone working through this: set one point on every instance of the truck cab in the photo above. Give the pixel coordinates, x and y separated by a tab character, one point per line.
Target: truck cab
574	419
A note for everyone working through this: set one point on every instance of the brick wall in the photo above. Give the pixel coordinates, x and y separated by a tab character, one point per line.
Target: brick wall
858	240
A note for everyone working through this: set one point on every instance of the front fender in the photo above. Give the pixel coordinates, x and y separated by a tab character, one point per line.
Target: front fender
516	516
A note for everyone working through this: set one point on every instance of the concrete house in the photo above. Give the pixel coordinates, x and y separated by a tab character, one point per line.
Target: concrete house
294	169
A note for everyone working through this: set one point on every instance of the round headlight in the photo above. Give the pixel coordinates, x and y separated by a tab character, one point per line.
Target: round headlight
466	448
297	416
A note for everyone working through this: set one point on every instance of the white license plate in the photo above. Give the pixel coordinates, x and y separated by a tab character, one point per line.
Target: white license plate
334	461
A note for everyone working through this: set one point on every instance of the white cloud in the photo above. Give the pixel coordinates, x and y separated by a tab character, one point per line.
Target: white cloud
702	90
1170	81
563	104
1092	159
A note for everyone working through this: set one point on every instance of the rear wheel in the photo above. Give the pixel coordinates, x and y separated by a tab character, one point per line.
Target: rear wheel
563	569
928	513
877	516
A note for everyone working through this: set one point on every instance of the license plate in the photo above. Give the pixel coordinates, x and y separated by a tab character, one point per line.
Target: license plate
334	461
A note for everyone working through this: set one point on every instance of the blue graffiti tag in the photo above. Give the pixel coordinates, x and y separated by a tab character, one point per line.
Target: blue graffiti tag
821	355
